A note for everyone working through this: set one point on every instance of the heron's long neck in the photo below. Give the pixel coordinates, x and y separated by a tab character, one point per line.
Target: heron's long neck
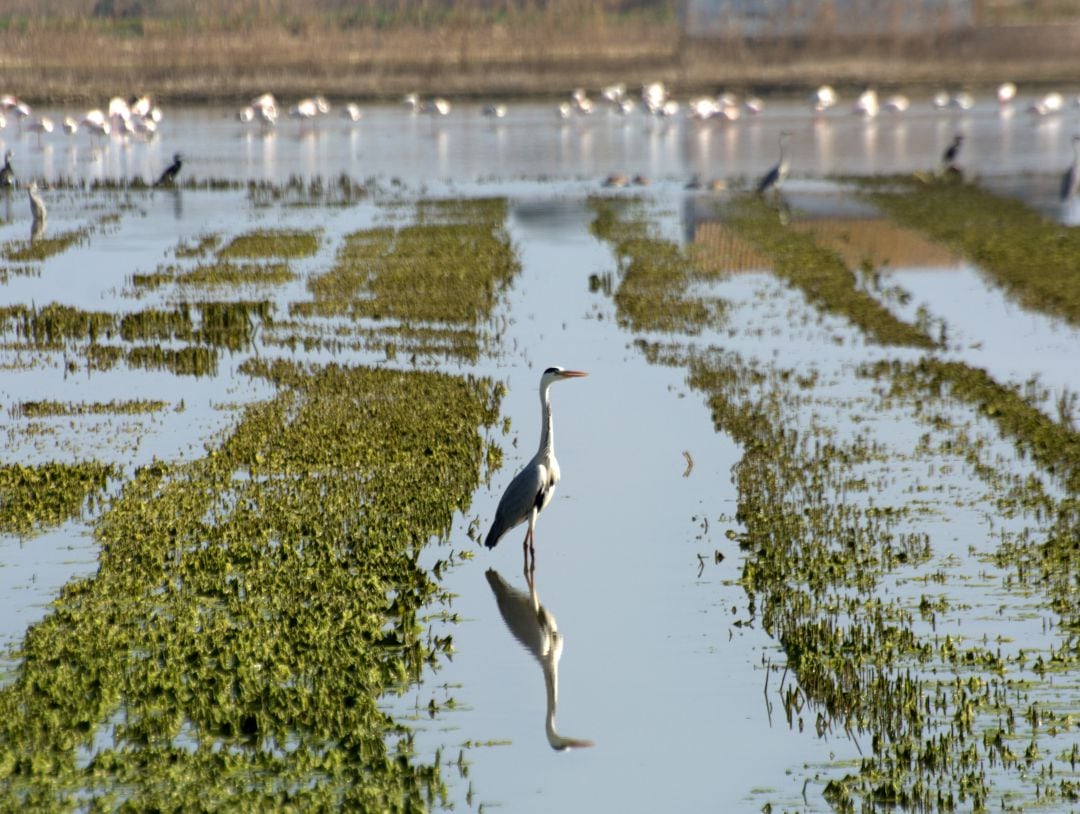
551	682
785	161
547	430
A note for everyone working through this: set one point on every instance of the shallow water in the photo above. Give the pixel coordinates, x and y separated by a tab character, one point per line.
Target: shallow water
662	665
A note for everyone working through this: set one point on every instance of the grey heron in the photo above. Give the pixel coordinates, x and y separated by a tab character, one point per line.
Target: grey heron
952	152
532	488
775	177
1070	181
168	176
534	626
37	205
7	172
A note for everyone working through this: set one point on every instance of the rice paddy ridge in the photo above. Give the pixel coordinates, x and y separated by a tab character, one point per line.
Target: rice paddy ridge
947	718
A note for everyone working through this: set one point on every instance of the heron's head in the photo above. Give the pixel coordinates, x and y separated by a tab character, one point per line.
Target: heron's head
556	374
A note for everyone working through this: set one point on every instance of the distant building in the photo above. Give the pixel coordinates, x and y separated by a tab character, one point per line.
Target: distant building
779	19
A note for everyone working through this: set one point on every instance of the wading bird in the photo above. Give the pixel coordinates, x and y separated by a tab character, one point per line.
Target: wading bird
534	626
37	205
1070	181
171	171
7	173
775	177
532	488
952	152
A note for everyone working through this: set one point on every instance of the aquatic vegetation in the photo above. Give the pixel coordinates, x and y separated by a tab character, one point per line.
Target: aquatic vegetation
156	324
200	248
444	275
654	274
1055	446
300	191
284	243
219	273
33	498
39	409
252	607
191	360
1035	260
43	248
820	273
54	325
839	517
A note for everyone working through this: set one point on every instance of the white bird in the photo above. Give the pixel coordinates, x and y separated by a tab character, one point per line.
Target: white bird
352	112
1070	181
897	103
40	125
70	125
614	94
532	488
1006	92
534	626
436	107
37	205
775	177
96	124
305	109
703	108
754	105
412	102
940	100
495	111
962	100
867	103
823	98
563	110
654	94
1050	103
581	102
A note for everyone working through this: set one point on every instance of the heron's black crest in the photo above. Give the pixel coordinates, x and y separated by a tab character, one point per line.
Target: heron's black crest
552	370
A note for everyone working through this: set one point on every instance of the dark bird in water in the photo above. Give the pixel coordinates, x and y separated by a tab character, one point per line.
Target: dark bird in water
532	488
1070	181
952	152
171	171
775	177
7	172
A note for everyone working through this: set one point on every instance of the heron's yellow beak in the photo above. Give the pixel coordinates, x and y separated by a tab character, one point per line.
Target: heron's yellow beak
570	374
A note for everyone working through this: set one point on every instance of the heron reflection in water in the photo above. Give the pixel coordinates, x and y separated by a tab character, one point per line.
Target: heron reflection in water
534	626
38	213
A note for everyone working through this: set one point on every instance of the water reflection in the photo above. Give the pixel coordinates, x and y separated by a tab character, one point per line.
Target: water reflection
534	627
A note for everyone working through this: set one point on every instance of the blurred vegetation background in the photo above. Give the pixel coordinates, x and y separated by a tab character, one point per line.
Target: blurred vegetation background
217	50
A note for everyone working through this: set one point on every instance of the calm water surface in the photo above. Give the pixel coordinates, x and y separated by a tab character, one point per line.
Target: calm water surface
654	669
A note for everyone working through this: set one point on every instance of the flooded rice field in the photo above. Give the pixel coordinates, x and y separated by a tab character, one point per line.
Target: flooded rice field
815	542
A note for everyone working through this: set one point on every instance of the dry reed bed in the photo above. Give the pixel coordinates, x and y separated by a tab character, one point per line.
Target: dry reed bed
84	62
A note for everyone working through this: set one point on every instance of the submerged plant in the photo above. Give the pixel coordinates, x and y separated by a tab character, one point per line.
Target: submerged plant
252	608
1034	259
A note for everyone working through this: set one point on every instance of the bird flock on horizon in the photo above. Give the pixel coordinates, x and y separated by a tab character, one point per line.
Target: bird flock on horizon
138	118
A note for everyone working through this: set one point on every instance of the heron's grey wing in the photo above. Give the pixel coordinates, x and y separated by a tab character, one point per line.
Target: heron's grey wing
517	501
517	611
770	178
